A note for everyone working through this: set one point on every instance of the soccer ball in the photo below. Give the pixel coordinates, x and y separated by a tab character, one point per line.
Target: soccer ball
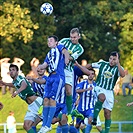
46	8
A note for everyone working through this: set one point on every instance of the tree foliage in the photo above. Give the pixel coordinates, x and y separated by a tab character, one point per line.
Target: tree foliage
105	26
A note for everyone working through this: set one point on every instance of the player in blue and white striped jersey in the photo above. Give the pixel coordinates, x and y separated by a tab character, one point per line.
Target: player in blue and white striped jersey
86	91
55	60
39	83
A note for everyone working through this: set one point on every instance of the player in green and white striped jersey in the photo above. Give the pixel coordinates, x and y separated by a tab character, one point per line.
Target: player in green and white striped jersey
75	50
106	79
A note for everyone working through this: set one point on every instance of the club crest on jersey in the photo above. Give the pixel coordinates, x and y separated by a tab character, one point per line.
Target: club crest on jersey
107	74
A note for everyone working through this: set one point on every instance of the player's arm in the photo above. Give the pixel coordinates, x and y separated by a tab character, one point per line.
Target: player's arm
6	84
38	81
83	69
67	56
121	70
23	87
43	66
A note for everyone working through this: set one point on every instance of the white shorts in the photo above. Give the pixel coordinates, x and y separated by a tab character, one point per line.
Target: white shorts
32	112
69	77
109	94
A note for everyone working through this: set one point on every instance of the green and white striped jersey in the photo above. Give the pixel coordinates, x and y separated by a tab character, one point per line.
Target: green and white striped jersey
75	50
26	92
107	75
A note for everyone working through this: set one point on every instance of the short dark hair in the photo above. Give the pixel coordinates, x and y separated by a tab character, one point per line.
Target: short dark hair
55	37
91	69
13	65
113	53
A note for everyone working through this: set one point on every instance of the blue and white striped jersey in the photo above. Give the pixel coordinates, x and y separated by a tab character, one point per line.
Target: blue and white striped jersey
87	98
39	88
56	61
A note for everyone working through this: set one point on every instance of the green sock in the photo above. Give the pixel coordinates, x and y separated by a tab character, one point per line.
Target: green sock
97	108
69	104
107	125
30	131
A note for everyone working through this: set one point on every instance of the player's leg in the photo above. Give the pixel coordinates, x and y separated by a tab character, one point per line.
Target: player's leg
28	126
32	114
64	124
107	115
99	103
68	87
108	106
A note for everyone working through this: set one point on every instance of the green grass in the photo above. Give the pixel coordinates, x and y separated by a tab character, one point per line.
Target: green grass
119	113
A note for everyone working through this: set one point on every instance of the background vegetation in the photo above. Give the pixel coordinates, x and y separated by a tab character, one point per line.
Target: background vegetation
105	26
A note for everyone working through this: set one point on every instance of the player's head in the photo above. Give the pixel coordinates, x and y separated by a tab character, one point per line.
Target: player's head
74	35
13	70
113	58
91	74
40	72
52	41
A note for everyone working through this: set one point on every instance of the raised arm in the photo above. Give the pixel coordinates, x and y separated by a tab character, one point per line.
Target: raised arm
67	56
83	69
121	70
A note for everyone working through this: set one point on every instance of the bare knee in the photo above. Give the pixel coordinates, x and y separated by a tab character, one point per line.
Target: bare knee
101	97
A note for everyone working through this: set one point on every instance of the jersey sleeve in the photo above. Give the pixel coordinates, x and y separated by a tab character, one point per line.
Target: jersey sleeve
78	52
61	47
96	64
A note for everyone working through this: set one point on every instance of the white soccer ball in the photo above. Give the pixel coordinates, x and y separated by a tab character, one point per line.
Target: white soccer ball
46	8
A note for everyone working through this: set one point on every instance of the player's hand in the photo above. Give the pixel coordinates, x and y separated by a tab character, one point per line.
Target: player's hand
14	94
117	58
1	106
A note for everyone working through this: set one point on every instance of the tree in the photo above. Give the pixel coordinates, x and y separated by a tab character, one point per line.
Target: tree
126	41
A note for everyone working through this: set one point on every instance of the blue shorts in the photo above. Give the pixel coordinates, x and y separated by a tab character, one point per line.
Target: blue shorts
87	113
54	84
60	108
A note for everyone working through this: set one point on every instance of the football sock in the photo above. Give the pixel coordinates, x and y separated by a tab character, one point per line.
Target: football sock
88	128
51	113
97	108
34	128
59	129
65	128
72	129
69	103
45	115
107	125
30	131
60	116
